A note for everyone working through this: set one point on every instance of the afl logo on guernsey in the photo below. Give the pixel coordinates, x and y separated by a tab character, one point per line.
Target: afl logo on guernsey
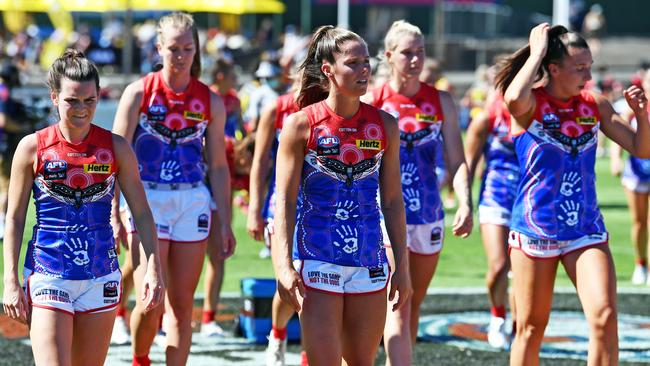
551	121
97	168
369	144
157	112
328	145
55	169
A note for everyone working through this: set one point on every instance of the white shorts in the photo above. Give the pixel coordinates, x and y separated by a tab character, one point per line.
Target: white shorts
545	248
422	239
342	280
494	215
181	216
73	296
636	185
269	231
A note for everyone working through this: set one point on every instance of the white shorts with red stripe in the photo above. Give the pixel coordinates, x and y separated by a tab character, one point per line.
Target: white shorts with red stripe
182	215
421	239
342	280
548	248
636	185
73	296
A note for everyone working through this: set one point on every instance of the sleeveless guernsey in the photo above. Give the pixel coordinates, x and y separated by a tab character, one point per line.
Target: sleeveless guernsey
338	210
168	140
420	122
501	177
637	169
73	190
233	107
557	192
285	105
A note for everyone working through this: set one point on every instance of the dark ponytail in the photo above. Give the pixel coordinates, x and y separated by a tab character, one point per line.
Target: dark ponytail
559	41
72	65
325	42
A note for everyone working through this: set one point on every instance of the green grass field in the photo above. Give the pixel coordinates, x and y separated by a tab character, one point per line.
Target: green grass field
462	262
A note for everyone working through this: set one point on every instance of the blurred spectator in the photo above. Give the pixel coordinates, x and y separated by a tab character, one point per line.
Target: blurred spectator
594	27
432	75
474	99
145	36
294	47
264	35
224	81
264	91
577	11
16	121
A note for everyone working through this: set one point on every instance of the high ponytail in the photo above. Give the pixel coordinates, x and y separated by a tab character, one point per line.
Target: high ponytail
325	42
559	41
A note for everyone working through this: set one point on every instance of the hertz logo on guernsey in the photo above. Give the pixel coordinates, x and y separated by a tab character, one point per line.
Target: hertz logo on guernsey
426	118
369	144
97	168
195	116
589	121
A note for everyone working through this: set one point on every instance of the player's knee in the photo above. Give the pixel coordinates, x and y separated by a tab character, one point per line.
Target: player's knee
603	321
496	269
532	329
360	360
640	224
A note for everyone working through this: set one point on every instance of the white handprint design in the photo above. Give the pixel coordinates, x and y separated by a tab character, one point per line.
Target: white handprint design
344	210
570	209
409	174
169	170
412	197
78	249
349	239
569	181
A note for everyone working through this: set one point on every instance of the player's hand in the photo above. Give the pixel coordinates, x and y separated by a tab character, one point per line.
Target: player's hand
400	284
289	282
636	99
153	288
255	225
463	221
119	232
538	40
15	303
228	241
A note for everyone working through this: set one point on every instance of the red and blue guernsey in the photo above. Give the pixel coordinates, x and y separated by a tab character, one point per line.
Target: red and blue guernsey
73	189
285	105
338	210
420	120
168	140
499	186
637	170
233	108
557	192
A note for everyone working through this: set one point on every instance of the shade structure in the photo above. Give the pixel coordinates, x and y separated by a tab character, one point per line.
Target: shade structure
90	5
211	6
236	7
